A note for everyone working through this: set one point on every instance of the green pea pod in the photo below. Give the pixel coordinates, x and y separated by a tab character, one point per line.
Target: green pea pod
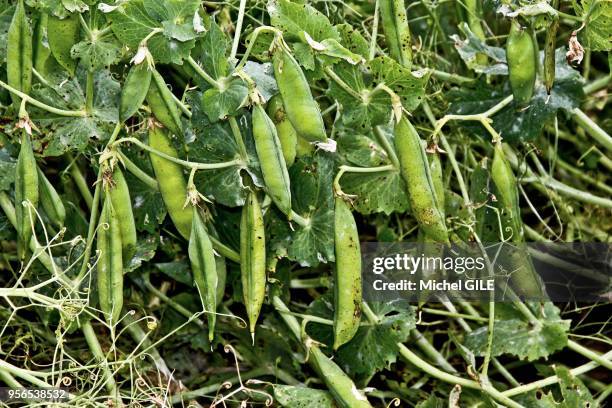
122	204
162	104
40	49
204	269
50	200
437	177
347	287
549	50
421	189
134	90
110	263
397	32
522	63
221	277
19	53
341	386
285	130
524	277
26	190
271	160
171	180
62	35
474	21
252	259
300	107
480	188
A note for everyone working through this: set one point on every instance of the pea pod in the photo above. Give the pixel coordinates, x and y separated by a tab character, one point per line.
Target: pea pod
50	200
415	171
110	263
19	53
347	287
522	63
40	50
119	194
341	386
479	195
221	277
62	35
26	190
252	259
524	277
300	107
474	21
285	130
204	269
134	90
271	160
549	50
162	104
170	179
397	32
437	177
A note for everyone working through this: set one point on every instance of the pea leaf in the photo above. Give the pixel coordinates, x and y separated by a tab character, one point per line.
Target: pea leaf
353	40
134	20
573	390
536	399
469	48
263	75
294	19
147	203
96	54
145	251
220	103
520	338
68	133
59	8
375	192
177	270
215	143
522	124
7	170
211	51
291	396
408	85
312	198
598	18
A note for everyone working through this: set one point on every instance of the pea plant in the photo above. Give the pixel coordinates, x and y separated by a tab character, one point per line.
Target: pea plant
185	184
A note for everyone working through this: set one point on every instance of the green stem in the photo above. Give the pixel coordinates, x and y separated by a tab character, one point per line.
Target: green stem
252	42
597	133
191	165
89	92
96	349
374	36
23	374
224	250
41	105
384	142
198	69
138	172
330	72
585	368
299	220
79	180
431	352
238	137
236	42
591	355
596	85
350	169
448	77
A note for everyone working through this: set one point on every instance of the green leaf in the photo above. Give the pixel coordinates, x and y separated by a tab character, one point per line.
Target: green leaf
96	54
598	17
290	396
214	143
521	124
147	203
472	46
408	85
574	392
293	19
518	337
263	75
179	271
353	40
312	198
134	20
211	52
7	170
432	402
220	103
145	251
536	399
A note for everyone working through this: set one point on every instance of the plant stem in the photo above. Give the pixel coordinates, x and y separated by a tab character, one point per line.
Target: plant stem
374	35
41	105
252	41
453	78
96	349
138	172
79	180
89	92
431	352
345	87
384	143
591	355
553	379
236	41
350	169
198	69
238	137
191	165
596	85
597	133
224	250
